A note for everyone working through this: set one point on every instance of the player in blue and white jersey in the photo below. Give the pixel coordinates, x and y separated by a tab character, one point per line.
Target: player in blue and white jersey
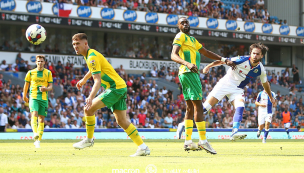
265	112
233	83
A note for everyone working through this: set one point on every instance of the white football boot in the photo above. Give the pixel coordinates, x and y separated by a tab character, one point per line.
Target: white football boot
141	152
207	147
37	144
83	144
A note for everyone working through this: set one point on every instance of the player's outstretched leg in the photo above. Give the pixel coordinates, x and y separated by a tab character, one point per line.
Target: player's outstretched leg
88	141
180	129
237	118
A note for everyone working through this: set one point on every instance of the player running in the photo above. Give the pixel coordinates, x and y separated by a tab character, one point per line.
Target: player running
233	83
41	82
114	96
286	115
186	51
265	112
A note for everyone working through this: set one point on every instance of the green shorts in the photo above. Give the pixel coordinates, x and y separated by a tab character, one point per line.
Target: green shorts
41	106
191	84
114	99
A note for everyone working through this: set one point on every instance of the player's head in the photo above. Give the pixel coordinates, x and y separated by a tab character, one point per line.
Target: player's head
183	25
40	61
80	43
257	51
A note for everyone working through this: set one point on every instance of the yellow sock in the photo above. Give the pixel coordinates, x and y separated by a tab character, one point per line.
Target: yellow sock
34	124
133	134
201	130
188	129
90	126
40	130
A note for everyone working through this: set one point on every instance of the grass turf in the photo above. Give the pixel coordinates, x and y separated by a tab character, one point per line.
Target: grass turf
166	155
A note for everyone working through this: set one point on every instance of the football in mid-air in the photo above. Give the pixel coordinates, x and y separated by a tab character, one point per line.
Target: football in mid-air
35	34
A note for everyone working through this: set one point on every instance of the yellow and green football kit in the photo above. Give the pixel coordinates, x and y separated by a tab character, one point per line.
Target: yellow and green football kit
189	51
38	100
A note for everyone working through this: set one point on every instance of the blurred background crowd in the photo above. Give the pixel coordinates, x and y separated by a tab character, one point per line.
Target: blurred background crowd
148	106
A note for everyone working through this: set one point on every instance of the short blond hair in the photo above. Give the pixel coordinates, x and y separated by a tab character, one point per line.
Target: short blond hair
80	36
40	56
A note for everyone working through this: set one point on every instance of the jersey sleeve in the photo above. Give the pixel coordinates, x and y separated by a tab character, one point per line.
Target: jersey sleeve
92	64
28	77
263	76
259	97
198	45
50	77
239	59
179	39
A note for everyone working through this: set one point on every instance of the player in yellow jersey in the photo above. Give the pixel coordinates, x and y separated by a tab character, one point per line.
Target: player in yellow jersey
41	82
186	51
114	96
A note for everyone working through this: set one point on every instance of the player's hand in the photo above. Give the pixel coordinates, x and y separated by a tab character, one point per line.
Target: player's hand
206	70
231	64
42	88
88	103
263	105
192	67
80	84
273	101
25	99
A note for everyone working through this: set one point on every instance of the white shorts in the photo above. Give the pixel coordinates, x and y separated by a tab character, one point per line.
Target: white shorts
262	118
287	125
222	89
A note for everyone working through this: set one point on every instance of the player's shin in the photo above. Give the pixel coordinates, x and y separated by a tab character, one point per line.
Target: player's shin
266	133
90	126
201	128
188	129
133	134
40	130
34	124
237	118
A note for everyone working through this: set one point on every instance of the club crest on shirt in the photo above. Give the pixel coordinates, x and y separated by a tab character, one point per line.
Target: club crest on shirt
93	63
256	70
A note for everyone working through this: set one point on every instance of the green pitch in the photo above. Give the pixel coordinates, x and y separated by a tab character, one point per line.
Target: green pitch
167	156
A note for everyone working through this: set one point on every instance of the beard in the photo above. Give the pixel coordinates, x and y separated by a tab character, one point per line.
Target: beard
186	29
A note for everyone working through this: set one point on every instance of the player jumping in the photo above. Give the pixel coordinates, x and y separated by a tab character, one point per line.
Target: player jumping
41	82
233	83
114	96
265	112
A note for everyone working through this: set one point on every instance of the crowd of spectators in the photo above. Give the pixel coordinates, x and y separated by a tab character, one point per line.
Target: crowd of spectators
245	10
148	106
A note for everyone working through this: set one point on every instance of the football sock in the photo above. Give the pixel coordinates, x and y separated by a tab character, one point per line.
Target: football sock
266	133
188	129
237	118
201	128
133	134
40	130
287	131
206	107
90	126
34	124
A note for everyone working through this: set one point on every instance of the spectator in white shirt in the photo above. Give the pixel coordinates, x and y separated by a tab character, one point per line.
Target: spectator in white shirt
75	125
154	72
64	118
3	120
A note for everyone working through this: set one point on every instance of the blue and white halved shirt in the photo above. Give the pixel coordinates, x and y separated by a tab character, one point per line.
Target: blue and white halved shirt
263	98
244	72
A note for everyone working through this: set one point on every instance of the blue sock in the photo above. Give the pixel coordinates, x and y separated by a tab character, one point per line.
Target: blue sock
266	133
287	131
237	118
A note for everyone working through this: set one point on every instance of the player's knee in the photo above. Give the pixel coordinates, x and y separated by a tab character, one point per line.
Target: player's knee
88	111
239	104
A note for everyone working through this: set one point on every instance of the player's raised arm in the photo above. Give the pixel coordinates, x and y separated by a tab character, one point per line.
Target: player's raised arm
214	56
213	64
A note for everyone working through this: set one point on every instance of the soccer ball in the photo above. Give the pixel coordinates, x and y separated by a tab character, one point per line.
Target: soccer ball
35	34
